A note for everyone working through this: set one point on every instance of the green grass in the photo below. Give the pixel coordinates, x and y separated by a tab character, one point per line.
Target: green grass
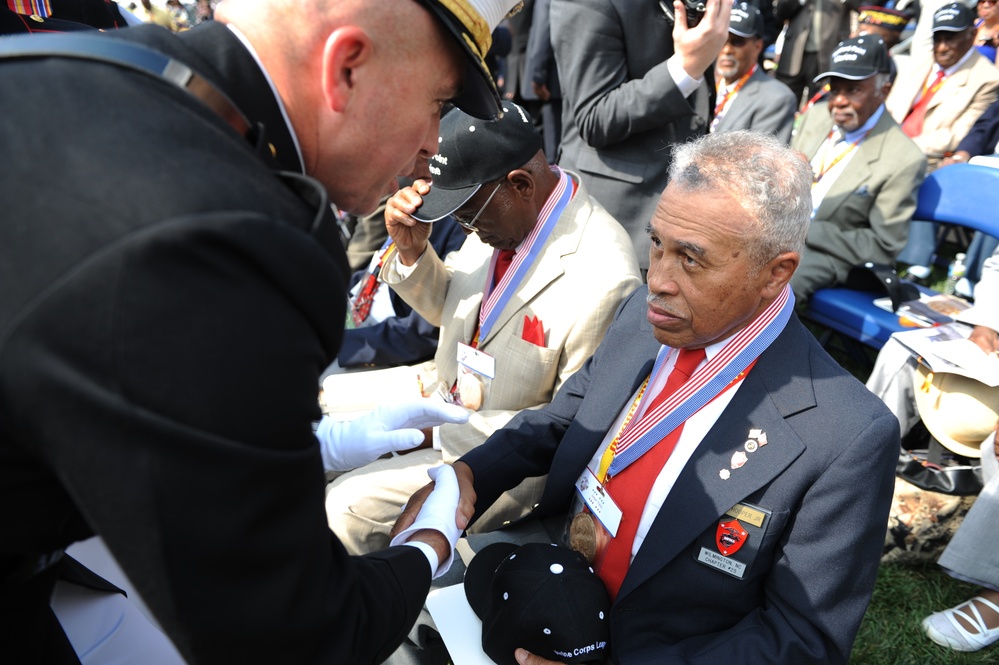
891	634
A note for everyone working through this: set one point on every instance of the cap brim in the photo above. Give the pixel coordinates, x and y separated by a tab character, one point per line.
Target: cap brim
478	96
747	35
438	203
951	28
479	574
843	75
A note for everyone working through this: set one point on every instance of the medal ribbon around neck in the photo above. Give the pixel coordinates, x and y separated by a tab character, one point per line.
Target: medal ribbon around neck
496	300
702	387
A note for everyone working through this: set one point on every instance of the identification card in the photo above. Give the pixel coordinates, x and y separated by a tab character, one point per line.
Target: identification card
475	375
477	361
732	544
599	501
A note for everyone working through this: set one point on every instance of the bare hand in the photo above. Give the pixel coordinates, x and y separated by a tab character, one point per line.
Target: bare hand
986	339
541	91
957	158
699	46
466	501
525	657
409	234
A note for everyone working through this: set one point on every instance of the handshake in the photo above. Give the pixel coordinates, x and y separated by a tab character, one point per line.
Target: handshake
347	445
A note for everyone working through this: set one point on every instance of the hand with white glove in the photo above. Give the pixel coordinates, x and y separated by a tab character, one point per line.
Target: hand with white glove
437	513
349	444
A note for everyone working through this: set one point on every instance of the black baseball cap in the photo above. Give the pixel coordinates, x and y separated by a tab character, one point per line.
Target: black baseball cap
953	17
541	597
745	21
472	22
472	151
858	58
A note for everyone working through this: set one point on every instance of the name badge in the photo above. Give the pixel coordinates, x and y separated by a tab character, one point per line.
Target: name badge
477	361
599	501
732	544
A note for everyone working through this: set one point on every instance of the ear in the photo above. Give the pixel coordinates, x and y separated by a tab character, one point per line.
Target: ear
522	182
778	272
346	49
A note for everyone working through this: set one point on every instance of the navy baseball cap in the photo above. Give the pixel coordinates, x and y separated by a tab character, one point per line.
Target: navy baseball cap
858	58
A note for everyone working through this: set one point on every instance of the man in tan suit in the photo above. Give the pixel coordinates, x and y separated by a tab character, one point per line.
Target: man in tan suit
507	341
938	100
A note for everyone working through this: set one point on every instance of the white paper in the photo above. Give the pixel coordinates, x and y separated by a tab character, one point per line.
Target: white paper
947	349
458	625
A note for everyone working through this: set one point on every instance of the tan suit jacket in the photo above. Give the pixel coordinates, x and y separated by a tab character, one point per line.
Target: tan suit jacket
582	274
952	111
579	278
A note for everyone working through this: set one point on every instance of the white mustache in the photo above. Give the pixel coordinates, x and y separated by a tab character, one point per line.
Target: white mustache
654	300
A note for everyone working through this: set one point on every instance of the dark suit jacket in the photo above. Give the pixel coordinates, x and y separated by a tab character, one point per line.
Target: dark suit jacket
406	338
168	305
764	104
621	108
984	134
826	475
539	58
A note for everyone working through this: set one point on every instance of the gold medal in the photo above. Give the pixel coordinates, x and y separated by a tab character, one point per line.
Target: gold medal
583	535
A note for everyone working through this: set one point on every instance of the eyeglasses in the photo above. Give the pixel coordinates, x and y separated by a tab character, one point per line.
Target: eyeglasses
987	2
471	225
738	41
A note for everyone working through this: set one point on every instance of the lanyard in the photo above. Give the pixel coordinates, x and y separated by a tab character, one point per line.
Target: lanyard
727	367
497	298
730	94
823	169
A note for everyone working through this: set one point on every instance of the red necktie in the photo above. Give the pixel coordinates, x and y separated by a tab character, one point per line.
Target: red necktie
630	488
913	123
503	260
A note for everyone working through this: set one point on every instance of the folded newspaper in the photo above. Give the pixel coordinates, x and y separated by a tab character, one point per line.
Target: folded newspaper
946	348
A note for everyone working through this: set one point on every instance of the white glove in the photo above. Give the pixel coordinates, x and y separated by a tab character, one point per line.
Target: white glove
349	444
438	512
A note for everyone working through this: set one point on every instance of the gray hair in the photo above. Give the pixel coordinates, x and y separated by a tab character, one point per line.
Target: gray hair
772	182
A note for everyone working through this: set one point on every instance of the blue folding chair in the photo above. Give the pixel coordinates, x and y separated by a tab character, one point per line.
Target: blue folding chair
961	195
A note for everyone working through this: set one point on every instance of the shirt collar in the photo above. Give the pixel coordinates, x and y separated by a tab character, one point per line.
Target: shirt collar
859	133
955	67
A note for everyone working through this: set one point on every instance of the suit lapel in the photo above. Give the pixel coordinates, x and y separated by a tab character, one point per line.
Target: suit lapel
953	85
858	171
742	103
776	388
546	269
608	392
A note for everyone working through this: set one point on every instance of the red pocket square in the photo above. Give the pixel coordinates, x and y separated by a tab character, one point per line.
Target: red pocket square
534	331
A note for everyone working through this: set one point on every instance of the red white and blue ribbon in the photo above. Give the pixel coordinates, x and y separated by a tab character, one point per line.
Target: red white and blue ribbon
704	385
498	297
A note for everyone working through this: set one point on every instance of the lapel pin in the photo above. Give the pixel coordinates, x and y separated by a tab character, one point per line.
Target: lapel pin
738	459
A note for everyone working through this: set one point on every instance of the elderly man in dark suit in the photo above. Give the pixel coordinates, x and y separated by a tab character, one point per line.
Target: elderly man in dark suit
173	283
632	85
739	518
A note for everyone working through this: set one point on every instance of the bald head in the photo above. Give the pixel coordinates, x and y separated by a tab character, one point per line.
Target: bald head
362	82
